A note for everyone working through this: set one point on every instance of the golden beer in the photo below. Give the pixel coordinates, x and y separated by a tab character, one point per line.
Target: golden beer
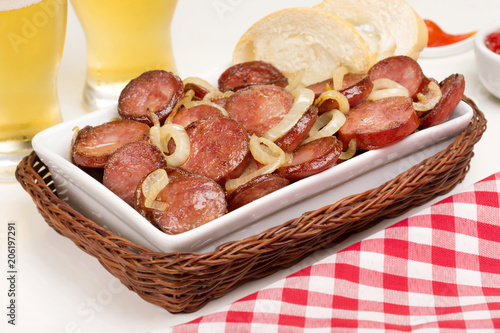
124	39
32	36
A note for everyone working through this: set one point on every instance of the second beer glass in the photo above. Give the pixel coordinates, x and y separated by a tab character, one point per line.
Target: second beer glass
124	39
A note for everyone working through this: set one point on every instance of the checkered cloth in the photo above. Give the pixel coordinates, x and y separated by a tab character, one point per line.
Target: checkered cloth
438	270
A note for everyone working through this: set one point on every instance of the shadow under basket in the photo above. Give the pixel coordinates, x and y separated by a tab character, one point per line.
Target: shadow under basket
186	281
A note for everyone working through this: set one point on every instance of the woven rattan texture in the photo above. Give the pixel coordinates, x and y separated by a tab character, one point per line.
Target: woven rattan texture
186	281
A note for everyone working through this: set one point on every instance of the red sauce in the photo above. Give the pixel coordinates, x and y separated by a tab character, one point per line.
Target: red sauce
493	41
437	37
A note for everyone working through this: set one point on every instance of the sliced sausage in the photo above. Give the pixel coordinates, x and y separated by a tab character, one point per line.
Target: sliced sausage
292	139
376	124
219	148
312	158
192	200
199	91
128	165
355	87
94	144
401	69
242	75
255	189
157	91
452	89
259	107
186	116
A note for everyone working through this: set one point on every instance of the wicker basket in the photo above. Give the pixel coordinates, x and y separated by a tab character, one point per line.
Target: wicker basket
186	281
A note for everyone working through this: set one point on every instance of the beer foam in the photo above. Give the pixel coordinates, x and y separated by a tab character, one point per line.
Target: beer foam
6	5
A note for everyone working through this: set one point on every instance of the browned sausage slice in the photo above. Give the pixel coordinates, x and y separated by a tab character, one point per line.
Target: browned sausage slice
157	91
452	89
248	73
312	158
376	124
186	116
255	189
219	148
192	200
355	87
94	144
259	107
199	91
128	165
401	69
292	139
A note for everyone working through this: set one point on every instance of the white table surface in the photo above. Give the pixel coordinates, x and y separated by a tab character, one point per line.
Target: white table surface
62	289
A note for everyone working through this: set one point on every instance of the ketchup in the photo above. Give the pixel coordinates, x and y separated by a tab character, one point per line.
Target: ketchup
492	41
437	37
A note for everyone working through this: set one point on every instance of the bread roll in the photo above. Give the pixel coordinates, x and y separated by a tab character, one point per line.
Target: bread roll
390	27
306	39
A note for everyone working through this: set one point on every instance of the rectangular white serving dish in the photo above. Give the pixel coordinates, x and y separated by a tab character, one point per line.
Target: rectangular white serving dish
96	202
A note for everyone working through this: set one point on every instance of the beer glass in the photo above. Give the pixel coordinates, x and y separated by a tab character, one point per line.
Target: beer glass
32	36
124	39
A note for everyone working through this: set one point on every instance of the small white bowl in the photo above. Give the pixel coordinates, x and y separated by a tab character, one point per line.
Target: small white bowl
448	50
487	61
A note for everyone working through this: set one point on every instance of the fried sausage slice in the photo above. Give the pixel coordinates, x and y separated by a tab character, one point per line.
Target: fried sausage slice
94	144
186	116
254	189
312	158
157	91
259	107
244	74
401	69
376	124
452	89
293	138
192	200
128	165
219	148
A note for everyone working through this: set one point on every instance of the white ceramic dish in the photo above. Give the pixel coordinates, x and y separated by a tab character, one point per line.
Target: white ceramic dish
97	203
487	61
448	50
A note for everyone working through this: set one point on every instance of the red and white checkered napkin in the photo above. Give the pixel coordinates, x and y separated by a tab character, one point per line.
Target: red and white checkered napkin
438	270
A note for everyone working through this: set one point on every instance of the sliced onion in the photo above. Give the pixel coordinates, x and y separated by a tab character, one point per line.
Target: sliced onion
296	81
75	130
304	98
336	95
186	99
154	131
326	125
383	88
199	82
182	145
217	95
233	184
338	77
265	152
151	186
428	101
351	150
